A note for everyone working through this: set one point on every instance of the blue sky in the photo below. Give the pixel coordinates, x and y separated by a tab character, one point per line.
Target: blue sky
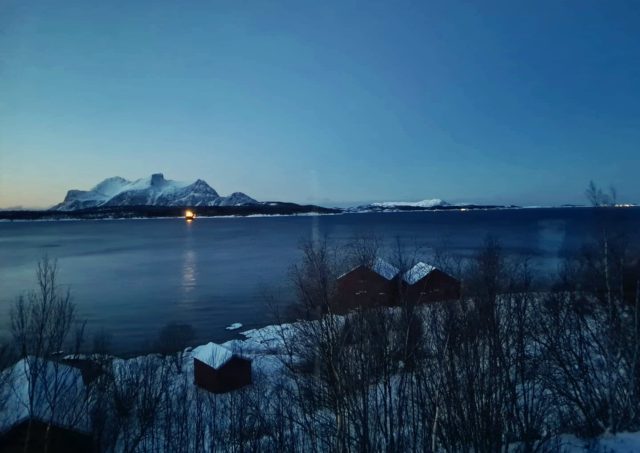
325	102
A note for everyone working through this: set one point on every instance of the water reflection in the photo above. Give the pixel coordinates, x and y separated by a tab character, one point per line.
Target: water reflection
189	276
551	236
315	228
189	269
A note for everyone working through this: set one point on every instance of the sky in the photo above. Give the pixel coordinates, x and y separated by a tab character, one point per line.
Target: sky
328	102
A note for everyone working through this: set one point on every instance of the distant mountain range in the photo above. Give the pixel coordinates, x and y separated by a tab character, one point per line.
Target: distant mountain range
151	191
117	193
156	196
434	204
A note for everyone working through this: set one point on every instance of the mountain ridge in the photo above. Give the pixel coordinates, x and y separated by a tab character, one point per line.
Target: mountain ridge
154	190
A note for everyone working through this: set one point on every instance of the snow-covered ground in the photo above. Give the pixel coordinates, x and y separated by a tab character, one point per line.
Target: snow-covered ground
264	346
608	443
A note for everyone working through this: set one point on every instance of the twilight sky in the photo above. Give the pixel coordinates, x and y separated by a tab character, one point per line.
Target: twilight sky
322	101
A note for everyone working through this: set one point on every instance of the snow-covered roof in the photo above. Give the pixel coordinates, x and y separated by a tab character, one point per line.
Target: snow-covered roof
212	354
385	269
57	394
417	272
380	267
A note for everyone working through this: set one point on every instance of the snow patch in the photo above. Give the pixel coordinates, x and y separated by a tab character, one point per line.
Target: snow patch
414	204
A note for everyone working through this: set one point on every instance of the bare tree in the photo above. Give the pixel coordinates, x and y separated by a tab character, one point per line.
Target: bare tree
136	392
172	341
7	357
102	341
590	339
598	198
178	408
43	324
314	279
362	250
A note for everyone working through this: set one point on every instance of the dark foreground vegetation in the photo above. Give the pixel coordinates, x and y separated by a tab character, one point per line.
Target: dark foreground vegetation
505	366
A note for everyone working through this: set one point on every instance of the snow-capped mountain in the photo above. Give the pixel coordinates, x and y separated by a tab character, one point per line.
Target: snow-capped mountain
392	206
435	204
151	191
412	204
235	199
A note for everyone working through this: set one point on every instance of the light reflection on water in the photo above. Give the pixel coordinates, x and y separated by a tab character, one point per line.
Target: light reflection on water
189	277
189	267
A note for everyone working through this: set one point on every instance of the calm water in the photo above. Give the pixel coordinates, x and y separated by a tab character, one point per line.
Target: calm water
130	277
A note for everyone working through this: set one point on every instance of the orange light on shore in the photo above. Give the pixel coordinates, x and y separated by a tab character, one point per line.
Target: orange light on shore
189	215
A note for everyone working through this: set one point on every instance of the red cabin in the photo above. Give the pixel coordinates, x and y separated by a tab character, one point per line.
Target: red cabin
367	286
425	283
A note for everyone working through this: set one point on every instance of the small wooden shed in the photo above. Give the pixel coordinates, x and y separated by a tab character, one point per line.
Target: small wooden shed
367	286
218	370
426	283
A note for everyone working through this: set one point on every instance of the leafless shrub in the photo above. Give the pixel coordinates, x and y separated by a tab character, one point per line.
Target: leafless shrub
590	339
133	403
172	341
598	198
43	324
102	342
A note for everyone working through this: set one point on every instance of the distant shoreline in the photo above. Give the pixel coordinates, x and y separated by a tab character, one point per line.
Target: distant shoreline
200	217
154	212
235	212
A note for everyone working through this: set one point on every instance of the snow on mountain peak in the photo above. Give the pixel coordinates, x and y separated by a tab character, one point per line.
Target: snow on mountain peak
414	204
236	199
154	190
110	186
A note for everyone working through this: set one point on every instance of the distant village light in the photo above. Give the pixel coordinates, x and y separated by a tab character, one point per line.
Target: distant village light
189	215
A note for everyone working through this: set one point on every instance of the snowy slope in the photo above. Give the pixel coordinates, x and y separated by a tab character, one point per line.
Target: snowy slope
273	387
235	199
111	186
154	190
393	206
414	204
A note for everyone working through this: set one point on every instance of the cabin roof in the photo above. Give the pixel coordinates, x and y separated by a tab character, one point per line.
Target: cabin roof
212	354
49	378
419	271
380	267
384	269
